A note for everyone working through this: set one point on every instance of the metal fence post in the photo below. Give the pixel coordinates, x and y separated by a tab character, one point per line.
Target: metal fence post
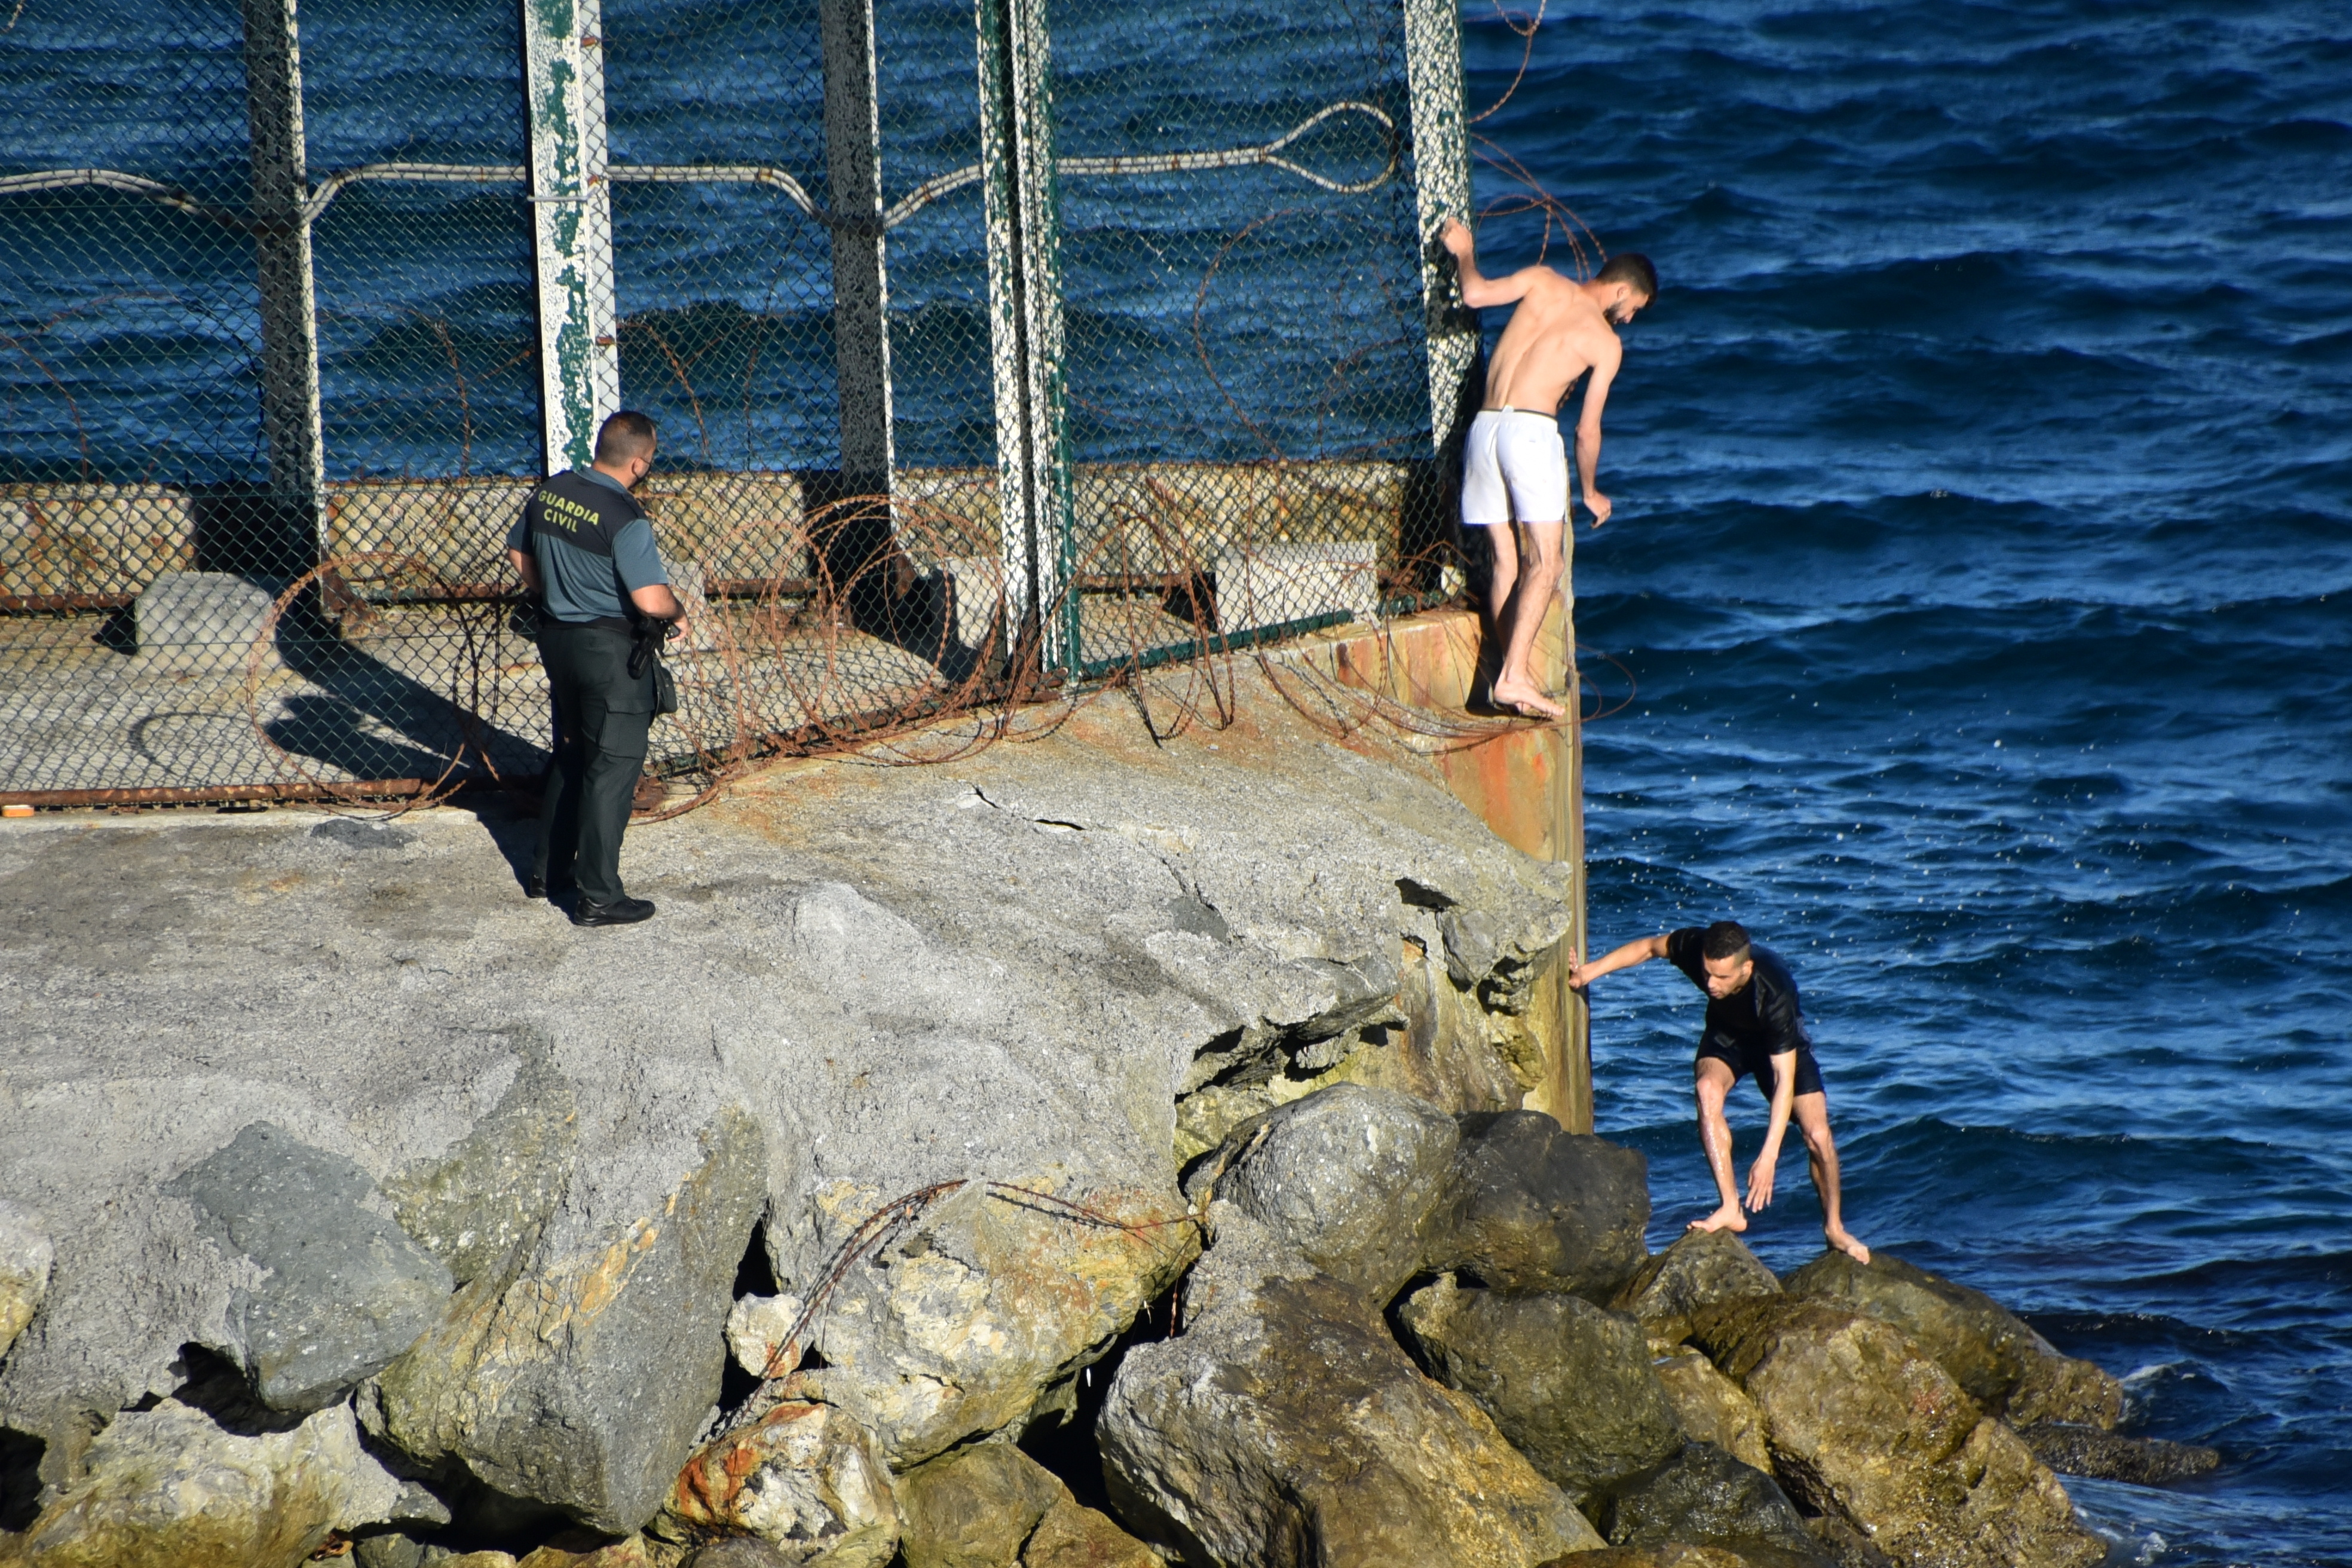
1025	336
1441	168
571	226
289	335
861	287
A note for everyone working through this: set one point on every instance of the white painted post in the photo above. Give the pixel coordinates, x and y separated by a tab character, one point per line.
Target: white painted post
1441	170
289	336
861	289
1025	337
572	226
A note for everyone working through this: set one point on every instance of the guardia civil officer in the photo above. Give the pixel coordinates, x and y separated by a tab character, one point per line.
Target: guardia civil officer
585	550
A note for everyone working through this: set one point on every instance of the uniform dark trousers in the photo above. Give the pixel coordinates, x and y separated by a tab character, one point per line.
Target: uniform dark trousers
601	718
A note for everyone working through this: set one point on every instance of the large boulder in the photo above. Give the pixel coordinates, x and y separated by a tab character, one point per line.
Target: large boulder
578	1373
1285	1426
25	1258
337	1289
805	1478
1712	1408
1704	1497
1568	1383
1702	1268
1072	1535
1863	1422
2112	1456
1532	1207
168	1486
2004	1365
974	1507
1346	1178
995	1296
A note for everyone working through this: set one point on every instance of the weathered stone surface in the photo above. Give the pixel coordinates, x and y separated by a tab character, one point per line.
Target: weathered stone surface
1285	1426
1861	1421
1346	1178
167	1487
1568	1383
758	1328
1846	1545
1984	1346
25	1258
808	1479
992	1298
2112	1456
1712	1408
341	1290
1703	1496
579	1374
1532	1208
204	621
1683	1555
1073	1536
974	1507
1702	1268
629	1552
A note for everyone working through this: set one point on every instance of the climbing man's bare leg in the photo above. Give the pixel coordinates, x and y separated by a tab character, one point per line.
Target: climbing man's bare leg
1531	599
1714	1082
1503	545
1812	1114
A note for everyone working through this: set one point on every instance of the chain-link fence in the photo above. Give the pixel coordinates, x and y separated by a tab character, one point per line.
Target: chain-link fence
989	350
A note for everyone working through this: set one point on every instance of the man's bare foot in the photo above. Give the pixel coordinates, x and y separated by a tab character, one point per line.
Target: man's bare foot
1526	699
1728	1217
1840	1238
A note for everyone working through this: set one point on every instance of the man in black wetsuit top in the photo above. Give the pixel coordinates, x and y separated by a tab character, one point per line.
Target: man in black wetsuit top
1753	1027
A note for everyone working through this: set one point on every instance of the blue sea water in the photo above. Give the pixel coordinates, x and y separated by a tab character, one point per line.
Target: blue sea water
1982	569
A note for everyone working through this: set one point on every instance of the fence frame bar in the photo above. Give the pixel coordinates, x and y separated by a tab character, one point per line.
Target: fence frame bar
290	419
571	226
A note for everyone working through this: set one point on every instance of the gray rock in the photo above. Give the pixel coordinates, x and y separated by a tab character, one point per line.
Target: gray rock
1532	1207
2004	1365
25	1258
1702	1268
167	1487
1285	1426
342	1289
204	621
1705	1496
742	1552
974	1507
2113	1457
1567	1382
1346	1178
579	1376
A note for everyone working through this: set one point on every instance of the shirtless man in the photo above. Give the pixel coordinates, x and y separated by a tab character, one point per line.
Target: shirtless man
1513	470
1753	1025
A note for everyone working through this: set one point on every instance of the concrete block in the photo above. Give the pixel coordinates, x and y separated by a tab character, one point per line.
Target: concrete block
1270	583
206	621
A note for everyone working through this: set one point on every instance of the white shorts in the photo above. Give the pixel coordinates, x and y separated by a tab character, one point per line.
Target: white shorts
1514	469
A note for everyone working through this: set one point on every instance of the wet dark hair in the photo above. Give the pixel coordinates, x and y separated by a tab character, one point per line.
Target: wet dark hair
1632	267
1724	938
626	435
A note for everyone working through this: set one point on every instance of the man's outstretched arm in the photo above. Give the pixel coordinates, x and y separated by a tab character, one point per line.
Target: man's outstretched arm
1767	1159
1588	429
1637	952
1478	291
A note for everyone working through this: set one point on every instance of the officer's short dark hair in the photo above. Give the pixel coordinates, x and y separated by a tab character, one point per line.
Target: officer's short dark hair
1724	938
626	435
1632	267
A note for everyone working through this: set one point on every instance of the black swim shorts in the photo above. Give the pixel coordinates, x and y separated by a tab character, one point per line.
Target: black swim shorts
1757	1064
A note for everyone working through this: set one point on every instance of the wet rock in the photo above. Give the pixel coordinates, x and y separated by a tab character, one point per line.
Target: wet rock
961	1324
2004	1365
1680	1554
1073	1536
1347	1177
342	1289
25	1258
1704	1497
578	1373
1569	1383
2112	1456
1846	1546
1532	1207
1702	1268
806	1479
1712	1408
1284	1425
974	1507
1861	1421
166	1488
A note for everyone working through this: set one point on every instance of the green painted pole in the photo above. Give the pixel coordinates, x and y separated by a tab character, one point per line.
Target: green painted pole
572	226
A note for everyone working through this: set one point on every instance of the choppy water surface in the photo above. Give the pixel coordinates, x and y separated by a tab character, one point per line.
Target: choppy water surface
1983	558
